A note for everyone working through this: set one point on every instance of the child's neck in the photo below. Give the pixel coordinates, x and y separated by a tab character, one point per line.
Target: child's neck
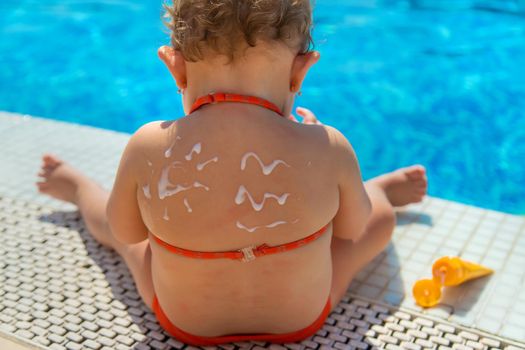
253	75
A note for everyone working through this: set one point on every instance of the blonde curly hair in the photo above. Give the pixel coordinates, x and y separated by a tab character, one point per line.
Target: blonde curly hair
226	27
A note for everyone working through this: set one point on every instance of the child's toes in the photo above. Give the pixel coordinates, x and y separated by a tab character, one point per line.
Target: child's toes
48	157
42	186
51	165
421	184
51	160
415	172
418	197
46	171
48	168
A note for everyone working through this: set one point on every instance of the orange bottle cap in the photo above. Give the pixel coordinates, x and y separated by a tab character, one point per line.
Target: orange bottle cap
427	292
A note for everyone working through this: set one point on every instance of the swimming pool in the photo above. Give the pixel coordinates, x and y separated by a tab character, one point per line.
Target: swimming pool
440	83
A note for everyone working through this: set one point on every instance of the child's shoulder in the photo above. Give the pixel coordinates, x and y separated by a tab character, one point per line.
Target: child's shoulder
151	129
334	141
146	140
341	150
337	138
151	134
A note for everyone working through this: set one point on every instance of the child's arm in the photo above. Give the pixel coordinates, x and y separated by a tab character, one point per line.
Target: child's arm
354	204
124	218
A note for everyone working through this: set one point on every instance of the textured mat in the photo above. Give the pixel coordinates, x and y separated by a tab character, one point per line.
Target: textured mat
61	290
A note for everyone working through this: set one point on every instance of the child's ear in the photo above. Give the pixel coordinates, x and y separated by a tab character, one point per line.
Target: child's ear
300	66
175	63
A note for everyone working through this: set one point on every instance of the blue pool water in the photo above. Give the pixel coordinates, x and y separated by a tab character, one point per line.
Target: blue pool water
438	82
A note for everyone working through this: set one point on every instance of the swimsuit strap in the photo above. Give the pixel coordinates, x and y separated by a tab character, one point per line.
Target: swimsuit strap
244	254
223	97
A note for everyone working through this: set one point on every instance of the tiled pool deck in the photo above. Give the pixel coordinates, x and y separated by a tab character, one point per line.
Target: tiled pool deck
60	290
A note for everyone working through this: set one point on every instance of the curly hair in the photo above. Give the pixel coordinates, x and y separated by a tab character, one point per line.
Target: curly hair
224	27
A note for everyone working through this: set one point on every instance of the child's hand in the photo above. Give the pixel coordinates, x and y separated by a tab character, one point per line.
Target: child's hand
307	115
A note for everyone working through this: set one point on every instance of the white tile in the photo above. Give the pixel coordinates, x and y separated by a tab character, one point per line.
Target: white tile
415	267
392	260
515	318
499	301
515	261
433	239
521	294
377	280
408	277
410	303
510	229
492	263
485	232
514	220
496	254
397	285
354	286
421	258
475	249
519	307
392	298
513	332
489	224
471	257
464	318
361	276
510	276
386	270
488	325
369	291
454	244
505	290
494	313
440	311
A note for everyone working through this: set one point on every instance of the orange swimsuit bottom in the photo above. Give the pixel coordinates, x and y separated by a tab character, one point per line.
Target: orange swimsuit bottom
243	254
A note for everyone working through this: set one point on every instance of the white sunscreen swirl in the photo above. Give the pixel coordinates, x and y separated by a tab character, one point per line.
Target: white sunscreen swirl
167	153
252	229
243	193
146	191
146	188
166	188
171	192
196	149
266	169
187	205
201	166
165	216
197	184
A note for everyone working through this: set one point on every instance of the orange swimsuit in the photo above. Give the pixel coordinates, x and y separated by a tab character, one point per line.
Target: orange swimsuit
244	254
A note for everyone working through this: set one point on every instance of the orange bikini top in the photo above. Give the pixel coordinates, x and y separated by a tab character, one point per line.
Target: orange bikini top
251	252
244	254
223	97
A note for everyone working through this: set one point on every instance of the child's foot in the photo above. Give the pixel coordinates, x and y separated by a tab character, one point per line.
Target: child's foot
405	185
60	180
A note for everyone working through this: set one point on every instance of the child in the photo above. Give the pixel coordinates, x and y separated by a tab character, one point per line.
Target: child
236	221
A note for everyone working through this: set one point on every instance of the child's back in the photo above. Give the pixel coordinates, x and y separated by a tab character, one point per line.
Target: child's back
236	176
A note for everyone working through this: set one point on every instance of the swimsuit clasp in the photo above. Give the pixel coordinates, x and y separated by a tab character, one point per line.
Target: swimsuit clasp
248	253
